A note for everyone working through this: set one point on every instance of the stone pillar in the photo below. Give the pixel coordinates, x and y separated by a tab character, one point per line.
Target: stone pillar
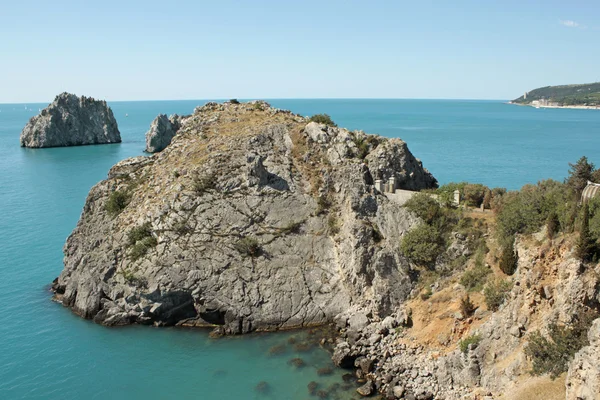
456	201
379	185
392	185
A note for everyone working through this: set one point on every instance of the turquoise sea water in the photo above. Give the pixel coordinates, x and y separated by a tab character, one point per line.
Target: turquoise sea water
48	352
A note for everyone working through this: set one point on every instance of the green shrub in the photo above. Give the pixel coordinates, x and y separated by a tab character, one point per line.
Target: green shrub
292	227
323	203
202	183
141	240
527	210
139	232
362	147
117	201
466	306
426	294
132	278
552	225
474	194
333	225
474	278
495	292
446	192
423	244
322	119
424	207
182	228
464	344
508	259
258	107
376	234
140	248
553	354
585	248
248	246
234	101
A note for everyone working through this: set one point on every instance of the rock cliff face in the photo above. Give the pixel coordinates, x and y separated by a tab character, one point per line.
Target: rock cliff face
583	379
161	132
251	219
71	121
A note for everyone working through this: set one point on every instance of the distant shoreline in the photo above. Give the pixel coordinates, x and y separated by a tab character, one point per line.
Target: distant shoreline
541	106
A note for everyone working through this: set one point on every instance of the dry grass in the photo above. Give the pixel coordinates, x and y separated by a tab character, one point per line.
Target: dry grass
539	387
434	322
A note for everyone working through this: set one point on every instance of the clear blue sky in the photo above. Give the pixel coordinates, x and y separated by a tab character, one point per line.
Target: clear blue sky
142	50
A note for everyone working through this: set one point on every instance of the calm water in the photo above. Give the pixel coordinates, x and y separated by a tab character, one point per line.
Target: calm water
48	352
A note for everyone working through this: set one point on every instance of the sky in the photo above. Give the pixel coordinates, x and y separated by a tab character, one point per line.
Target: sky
220	49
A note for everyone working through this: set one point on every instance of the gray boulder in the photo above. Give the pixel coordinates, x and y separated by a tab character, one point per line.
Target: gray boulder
161	132
71	121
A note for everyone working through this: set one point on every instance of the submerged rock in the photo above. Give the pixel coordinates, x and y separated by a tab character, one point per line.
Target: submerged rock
71	121
366	390
161	132
246	223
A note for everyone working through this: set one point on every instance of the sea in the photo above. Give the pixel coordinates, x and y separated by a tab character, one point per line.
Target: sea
47	352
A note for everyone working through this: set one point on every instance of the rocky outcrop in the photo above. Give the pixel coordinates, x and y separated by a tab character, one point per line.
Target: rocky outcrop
71	121
251	219
583	378
549	286
162	131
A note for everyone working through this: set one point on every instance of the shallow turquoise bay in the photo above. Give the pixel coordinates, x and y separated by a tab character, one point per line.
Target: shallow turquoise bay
48	352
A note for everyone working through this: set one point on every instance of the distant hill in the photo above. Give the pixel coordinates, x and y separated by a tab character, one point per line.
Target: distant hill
564	95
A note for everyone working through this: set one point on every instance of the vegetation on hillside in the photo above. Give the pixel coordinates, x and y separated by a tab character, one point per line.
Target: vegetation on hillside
584	94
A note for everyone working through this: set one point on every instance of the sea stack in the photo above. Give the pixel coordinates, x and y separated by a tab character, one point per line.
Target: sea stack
161	132
71	121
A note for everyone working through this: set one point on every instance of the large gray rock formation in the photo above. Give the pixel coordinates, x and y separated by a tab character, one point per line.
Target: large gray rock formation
71	121
244	222
161	132
583	379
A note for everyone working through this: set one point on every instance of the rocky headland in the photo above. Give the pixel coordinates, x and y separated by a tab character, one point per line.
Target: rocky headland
71	121
257	219
253	218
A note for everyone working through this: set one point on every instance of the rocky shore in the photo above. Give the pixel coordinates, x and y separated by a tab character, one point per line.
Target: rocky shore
71	121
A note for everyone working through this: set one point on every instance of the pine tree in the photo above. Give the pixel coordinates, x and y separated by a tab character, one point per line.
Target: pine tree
508	258
585	245
579	174
552	224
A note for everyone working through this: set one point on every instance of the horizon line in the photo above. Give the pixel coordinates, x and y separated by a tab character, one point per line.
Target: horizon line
273	98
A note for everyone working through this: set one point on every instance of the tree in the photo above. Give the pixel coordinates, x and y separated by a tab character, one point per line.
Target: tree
322	119
422	245
552	224
509	258
585	245
579	174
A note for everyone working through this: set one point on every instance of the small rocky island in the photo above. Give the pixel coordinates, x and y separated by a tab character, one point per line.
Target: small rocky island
71	121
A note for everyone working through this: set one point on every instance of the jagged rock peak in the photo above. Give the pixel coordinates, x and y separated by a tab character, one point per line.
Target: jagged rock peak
244	222
162	131
71	121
